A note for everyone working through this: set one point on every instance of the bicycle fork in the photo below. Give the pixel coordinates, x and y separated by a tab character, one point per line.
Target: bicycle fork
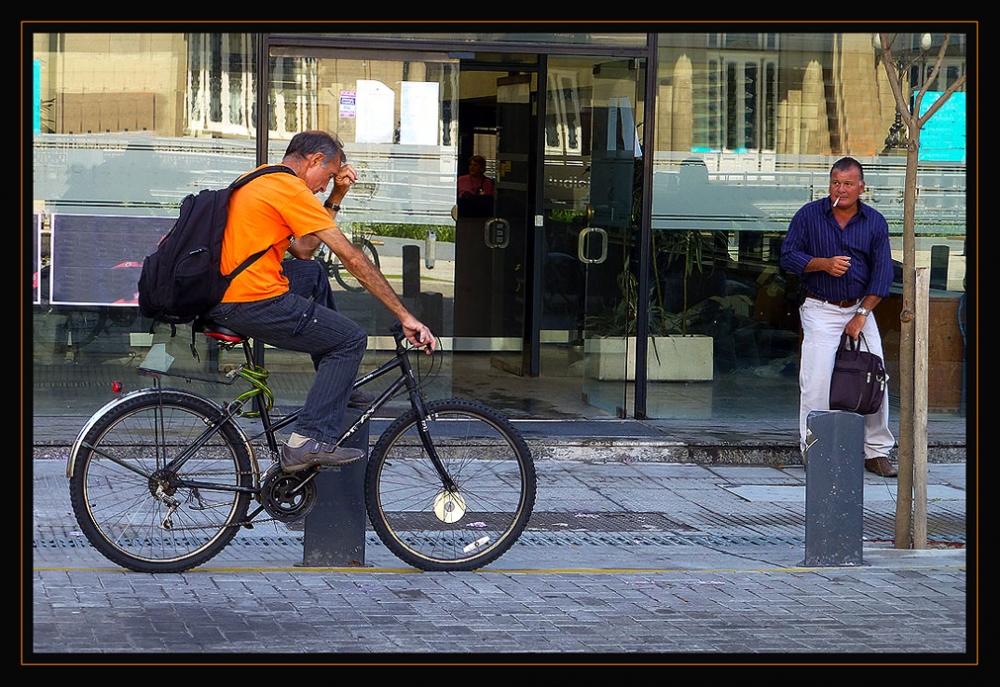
408	380
417	401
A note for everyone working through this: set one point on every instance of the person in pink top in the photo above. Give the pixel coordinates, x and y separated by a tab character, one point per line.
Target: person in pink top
475	183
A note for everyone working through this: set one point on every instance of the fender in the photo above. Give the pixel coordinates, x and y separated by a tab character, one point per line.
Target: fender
108	407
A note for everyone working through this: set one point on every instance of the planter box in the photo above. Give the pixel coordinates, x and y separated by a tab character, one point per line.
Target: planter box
673	359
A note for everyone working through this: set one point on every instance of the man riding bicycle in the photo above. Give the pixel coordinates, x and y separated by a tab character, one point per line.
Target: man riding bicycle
268	303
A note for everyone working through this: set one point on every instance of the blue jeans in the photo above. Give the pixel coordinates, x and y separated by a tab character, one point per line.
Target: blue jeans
309	279
306	319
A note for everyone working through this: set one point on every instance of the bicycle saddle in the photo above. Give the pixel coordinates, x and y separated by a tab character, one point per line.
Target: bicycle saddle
216	331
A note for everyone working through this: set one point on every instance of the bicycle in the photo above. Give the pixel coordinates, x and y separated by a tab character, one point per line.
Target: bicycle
335	269
161	479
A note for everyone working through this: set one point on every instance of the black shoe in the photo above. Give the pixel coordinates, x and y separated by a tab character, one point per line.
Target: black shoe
313	452
359	399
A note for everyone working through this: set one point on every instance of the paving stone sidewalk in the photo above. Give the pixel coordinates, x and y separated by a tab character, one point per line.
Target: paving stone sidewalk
623	562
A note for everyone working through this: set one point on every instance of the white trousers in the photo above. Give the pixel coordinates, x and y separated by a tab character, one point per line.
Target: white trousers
822	326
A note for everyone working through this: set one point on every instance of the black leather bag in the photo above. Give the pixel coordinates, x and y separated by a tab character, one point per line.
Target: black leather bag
859	378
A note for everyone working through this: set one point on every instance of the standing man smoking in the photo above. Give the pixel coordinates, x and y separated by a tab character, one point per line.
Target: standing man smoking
839	248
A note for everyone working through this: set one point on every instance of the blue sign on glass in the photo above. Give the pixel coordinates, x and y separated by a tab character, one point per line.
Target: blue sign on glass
37	99
943	135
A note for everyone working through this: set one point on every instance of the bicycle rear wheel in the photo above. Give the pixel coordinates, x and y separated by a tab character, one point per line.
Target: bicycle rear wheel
431	528
140	515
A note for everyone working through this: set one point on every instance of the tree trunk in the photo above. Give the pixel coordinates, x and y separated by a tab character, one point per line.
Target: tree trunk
907	348
908	437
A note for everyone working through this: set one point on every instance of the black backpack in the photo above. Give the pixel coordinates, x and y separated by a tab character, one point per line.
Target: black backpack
182	278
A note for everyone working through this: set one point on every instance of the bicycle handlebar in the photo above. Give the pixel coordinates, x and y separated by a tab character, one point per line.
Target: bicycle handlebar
396	328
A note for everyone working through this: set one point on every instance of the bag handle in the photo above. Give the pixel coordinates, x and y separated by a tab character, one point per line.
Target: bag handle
853	345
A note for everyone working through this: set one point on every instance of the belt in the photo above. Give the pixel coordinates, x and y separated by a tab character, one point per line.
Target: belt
839	304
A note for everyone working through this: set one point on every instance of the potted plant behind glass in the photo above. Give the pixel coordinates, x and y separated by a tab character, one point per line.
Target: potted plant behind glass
688	246
693	352
672	354
611	353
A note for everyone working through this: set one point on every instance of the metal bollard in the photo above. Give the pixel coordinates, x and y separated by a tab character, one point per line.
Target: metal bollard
335	528
939	267
834	488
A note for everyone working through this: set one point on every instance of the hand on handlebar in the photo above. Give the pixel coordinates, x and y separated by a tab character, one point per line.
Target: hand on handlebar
419	335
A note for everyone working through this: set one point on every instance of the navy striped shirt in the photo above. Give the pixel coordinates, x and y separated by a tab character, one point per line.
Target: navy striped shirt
815	233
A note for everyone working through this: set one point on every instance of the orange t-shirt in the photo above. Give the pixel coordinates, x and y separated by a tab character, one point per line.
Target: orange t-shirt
267	212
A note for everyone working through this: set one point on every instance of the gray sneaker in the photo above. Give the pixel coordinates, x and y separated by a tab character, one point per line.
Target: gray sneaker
313	452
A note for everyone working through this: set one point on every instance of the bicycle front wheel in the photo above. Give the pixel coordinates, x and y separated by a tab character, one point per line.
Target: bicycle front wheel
431	526
348	280
139	513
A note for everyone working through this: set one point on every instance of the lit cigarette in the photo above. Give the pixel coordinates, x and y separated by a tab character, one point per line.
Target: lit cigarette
835	201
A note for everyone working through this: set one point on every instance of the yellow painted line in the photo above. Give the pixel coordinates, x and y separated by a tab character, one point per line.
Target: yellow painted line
513	571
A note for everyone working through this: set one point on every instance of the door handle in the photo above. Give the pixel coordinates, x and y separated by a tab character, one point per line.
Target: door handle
582	245
497	232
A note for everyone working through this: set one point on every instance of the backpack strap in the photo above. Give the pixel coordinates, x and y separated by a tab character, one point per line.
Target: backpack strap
246	263
241	181
250	176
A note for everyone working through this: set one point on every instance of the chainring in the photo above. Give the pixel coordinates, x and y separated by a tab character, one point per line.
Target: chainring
287	497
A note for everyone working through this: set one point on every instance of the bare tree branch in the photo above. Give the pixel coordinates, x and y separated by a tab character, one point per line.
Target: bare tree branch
894	81
911	118
936	105
930	80
936	69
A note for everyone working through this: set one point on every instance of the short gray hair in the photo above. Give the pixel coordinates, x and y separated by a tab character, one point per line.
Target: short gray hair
306	143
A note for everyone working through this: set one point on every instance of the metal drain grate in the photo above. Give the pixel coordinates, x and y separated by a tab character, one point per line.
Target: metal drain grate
547	528
285	546
646	539
582	521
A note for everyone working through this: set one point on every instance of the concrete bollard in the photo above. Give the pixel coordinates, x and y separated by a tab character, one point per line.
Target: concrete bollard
335	528
834	488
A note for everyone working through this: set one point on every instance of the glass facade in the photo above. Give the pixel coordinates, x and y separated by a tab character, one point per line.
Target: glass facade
728	132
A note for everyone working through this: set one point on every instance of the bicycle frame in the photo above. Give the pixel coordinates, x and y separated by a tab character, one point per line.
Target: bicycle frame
407	379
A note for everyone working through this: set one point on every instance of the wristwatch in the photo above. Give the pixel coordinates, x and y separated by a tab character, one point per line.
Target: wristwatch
861	311
328	204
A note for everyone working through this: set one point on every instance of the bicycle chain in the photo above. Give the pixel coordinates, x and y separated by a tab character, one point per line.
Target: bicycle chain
251	522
